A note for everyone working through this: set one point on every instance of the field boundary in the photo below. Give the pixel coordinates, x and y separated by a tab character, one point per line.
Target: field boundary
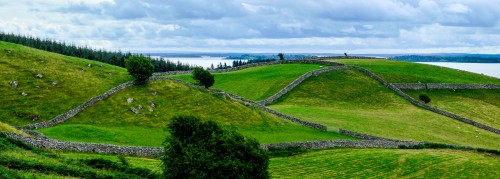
430	86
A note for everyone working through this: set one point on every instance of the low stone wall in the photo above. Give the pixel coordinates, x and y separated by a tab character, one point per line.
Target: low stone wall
426	106
343	144
63	117
297	81
362	136
420	86
87	147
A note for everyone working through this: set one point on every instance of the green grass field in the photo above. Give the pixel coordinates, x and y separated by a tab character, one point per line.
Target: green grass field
386	163
111	121
394	71
7	128
77	82
354	101
257	83
480	105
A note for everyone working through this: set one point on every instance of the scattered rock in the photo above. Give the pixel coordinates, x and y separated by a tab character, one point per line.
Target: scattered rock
54	83
198	104
9	51
154	93
90	65
35	117
150	109
41	61
130	100
247	104
24	93
140	106
135	111
151	104
37	86
39	76
14	84
82	70
110	73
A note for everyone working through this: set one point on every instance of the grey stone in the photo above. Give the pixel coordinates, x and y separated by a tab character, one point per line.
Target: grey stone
24	94
134	110
151	104
89	65
55	83
150	109
154	93
39	76
14	84
130	100
140	106
35	117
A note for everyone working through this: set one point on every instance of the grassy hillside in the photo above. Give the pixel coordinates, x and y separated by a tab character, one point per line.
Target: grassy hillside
354	101
21	161
7	128
480	105
408	72
76	83
257	83
111	120
386	163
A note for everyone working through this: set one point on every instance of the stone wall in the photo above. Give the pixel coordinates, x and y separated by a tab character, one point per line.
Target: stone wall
362	136
63	117
420	86
343	144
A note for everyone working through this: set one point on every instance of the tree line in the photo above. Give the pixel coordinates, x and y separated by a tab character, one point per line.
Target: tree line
110	57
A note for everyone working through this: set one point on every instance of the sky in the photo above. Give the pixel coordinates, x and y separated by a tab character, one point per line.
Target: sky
262	26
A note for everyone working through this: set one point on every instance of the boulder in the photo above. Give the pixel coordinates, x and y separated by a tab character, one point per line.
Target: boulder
39	76
154	93
151	104
130	100
14	84
24	93
54	83
35	117
89	65
135	111
140	106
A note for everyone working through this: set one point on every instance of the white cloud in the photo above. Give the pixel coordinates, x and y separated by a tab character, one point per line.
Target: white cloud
457	8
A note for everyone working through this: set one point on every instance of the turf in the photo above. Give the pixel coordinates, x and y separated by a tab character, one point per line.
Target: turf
394	71
386	163
77	82
7	128
479	105
257	83
352	100
111	120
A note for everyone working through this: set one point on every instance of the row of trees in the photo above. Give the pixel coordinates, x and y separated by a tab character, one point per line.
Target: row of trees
114	58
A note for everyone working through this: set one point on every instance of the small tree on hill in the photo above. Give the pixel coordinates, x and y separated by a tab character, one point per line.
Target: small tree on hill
282	56
203	77
197	149
140	67
424	98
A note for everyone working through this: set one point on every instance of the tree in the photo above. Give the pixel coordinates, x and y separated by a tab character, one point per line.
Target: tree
424	98
203	77
282	56
197	149
140	67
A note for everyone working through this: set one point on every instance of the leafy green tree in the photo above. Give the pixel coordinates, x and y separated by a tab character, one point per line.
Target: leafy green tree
203	77
282	56
197	149
424	98
140	67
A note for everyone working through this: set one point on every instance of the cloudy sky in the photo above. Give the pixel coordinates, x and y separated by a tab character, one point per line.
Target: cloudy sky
326	26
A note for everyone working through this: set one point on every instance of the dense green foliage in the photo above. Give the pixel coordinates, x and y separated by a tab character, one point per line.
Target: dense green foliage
139	67
258	83
281	56
18	160
197	149
394	71
479	105
203	77
426	99
66	83
111	121
386	163
351	100
114	58
460	58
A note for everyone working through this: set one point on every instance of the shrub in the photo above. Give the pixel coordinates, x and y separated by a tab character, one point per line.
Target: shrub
140	67
203	77
197	149
282	56
424	98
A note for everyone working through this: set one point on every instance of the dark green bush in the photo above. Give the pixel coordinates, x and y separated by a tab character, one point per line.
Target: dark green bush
140	67
197	149
203	77
426	99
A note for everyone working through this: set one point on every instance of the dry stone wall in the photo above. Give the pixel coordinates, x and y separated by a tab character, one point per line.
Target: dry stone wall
420	86
344	144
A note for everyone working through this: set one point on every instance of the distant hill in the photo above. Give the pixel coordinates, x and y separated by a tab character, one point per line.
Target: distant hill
462	58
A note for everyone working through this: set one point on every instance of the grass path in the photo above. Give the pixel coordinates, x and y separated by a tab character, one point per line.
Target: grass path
394	71
386	163
353	101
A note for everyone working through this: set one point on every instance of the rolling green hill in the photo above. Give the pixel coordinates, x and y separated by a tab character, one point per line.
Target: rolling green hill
394	71
480	105
257	83
76	83
352	100
112	121
386	163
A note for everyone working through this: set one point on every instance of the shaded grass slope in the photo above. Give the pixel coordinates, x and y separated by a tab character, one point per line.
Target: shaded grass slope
257	83
386	163
352	100
76	83
112	121
480	105
394	71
